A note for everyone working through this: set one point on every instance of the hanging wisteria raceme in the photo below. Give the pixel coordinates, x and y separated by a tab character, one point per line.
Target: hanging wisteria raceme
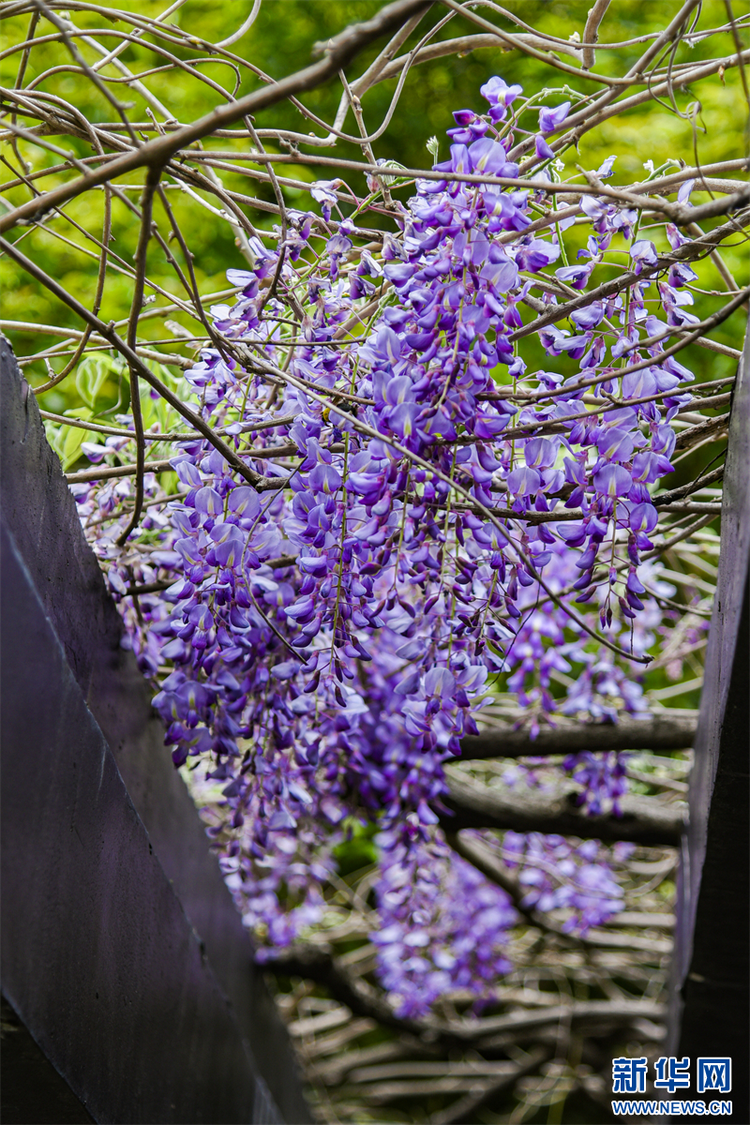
442	925
557	875
422	511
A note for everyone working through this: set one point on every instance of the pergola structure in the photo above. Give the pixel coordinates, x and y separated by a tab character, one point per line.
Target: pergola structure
129	991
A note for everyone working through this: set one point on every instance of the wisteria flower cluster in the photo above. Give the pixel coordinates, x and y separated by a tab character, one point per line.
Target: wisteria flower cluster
420	513
557	875
443	925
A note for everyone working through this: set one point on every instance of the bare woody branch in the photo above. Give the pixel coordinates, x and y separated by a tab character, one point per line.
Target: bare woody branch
644	820
318	963
321	966
591	32
661	733
159	151
137	364
466	1107
136	306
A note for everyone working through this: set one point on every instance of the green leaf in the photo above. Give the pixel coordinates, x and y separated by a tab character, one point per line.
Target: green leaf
92	374
71	446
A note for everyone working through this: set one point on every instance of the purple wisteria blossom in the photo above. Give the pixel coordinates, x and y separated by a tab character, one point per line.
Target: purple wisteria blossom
444	926
431	515
550	120
572	881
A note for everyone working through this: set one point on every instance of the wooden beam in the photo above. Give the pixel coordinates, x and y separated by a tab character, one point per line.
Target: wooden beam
644	820
711	983
659	733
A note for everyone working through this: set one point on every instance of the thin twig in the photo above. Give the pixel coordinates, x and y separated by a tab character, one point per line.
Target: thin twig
160	151
591	32
147	202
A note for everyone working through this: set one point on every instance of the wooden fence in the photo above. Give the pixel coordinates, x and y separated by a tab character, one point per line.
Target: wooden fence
710	1011
130	993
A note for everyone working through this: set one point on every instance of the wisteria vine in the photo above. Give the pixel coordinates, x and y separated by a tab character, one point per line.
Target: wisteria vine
424	510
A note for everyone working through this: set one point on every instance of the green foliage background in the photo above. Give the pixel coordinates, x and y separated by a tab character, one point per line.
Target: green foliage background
279	43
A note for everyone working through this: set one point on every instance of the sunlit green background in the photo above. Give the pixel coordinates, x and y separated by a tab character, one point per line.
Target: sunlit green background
281	41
